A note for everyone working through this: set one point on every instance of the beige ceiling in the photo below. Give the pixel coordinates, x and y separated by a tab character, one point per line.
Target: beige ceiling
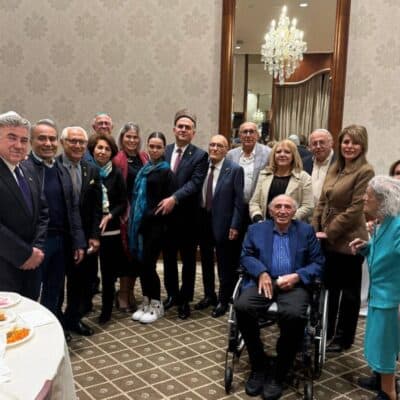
253	18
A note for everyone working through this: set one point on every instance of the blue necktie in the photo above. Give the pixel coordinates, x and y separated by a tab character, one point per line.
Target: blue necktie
23	185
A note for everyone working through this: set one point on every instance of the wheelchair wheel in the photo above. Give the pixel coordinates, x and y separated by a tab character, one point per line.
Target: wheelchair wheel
308	391
320	338
228	379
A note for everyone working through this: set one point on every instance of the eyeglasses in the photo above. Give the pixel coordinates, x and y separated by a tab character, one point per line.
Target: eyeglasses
248	132
219	146
80	142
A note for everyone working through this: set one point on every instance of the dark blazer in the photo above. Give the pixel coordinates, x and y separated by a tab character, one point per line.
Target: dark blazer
227	204
189	177
305	251
74	228
90	205
116	191
19	229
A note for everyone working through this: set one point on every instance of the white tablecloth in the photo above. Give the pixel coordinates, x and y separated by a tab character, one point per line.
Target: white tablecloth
43	357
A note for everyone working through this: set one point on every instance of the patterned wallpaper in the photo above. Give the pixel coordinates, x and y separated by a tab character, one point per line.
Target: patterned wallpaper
139	60
372	83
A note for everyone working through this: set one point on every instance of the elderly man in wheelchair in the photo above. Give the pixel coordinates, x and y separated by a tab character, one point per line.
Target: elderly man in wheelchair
281	258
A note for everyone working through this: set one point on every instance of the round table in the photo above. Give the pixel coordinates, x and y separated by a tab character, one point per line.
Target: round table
40	367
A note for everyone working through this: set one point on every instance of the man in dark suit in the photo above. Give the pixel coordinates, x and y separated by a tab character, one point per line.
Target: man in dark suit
190	166
80	279
65	238
220	221
281	258
23	211
320	143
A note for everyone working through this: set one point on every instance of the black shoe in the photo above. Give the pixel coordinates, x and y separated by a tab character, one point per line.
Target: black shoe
272	390
81	329
183	310
169	302
205	303
372	382
255	382
219	310
103	319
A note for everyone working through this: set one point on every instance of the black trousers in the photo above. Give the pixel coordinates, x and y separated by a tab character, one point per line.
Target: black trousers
180	238
112	255
227	254
343	274
153	236
79	288
292	308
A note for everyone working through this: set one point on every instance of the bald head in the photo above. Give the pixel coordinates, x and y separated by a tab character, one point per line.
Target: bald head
217	148
248	134
282	210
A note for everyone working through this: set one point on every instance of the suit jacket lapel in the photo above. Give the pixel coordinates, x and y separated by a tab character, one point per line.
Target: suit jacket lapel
33	188
222	176
12	185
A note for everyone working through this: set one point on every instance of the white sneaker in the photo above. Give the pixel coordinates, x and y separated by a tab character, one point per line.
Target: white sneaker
141	309
153	312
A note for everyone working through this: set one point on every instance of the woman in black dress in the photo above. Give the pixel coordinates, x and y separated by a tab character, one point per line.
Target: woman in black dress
112	255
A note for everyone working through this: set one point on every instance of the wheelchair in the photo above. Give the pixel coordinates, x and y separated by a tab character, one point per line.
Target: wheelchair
310	358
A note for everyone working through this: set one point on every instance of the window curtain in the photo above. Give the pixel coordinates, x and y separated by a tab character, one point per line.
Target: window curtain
302	108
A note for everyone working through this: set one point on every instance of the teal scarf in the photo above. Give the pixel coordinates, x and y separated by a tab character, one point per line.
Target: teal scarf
139	207
104	172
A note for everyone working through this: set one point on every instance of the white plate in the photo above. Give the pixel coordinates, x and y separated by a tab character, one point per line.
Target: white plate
10	317
9	299
25	339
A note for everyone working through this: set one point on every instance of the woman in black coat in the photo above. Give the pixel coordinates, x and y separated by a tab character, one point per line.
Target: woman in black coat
154	182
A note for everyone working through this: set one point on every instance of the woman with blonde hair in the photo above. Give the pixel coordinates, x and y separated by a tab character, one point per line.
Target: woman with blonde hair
283	175
338	219
130	159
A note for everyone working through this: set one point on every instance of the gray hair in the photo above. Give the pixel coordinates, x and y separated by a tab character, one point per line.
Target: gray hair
11	118
64	133
387	192
129	126
295	139
276	198
323	130
45	121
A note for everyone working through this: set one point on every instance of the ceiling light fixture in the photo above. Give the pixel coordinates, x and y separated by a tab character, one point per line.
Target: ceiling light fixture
303	5
283	48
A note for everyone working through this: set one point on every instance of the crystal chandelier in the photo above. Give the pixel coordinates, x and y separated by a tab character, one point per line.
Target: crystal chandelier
258	117
283	48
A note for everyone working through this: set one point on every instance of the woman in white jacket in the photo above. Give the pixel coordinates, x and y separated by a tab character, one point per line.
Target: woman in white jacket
283	175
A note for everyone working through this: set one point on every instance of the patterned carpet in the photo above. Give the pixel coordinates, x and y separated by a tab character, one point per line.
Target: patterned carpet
184	360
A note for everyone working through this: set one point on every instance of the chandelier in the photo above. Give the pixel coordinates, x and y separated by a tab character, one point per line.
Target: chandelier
258	117
283	48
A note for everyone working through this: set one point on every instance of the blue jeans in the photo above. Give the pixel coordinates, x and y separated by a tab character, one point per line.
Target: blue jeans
52	272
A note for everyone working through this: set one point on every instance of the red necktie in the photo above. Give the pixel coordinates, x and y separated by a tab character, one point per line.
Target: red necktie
209	188
177	159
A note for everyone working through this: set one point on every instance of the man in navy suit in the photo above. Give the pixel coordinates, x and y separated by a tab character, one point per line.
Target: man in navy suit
65	237
23	211
190	166
220	221
281	258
